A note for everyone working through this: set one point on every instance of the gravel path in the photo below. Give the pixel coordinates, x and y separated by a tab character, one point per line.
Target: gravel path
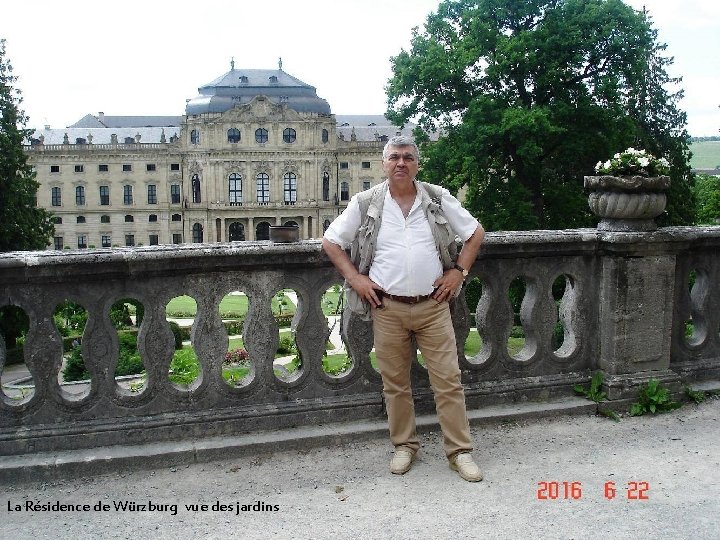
346	491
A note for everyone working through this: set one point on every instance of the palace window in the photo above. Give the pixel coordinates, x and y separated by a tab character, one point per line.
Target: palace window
152	194
55	196
326	186
152	218
175	193
290	188
79	168
366	185
365	164
154	239
103	168
194	137
261	135
80	196
129	239
344	191
197	233
233	135
196	197
177	238
81	219
344	164
127	167
105	240
235	189
325	135
57	220
58	242
262	187
174	166
127	195
104	195
150	167
129	218
54	168
176	217
82	241
289	135
105	219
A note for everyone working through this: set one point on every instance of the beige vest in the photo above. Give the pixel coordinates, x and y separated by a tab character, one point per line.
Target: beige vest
362	249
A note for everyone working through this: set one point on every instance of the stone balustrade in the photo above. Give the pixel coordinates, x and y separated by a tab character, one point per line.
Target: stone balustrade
636	305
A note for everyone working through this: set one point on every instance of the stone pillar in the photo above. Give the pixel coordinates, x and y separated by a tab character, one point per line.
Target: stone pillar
637	284
636	315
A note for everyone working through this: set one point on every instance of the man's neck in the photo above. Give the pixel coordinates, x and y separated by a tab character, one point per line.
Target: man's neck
402	190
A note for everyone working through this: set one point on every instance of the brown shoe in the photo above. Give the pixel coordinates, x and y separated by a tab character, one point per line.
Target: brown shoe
402	461
465	466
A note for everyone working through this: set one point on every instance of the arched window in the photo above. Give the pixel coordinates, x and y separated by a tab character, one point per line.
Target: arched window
196	198
152	218
262	187
105	218
290	188
129	218
344	191
326	224
194	137
289	135
325	135
326	186
262	231
237	232
233	135
261	135
80	196
235	189
197	233
81	219
176	217
291	223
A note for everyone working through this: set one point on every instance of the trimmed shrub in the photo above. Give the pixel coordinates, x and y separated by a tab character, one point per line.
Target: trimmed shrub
177	334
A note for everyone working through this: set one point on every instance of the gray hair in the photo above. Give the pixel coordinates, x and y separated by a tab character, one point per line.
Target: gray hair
401	140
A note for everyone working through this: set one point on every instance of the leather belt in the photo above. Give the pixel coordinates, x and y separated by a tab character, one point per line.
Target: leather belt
408	299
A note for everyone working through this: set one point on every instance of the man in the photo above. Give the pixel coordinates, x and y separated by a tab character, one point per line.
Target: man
402	269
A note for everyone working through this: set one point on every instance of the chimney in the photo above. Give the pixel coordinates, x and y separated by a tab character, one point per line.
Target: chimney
101	117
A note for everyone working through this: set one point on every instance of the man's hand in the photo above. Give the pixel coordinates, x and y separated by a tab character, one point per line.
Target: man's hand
447	285
367	289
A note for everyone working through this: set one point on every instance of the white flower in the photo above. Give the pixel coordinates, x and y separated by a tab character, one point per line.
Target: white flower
644	162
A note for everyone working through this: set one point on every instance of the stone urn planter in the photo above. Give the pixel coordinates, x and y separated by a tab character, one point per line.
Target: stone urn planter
627	203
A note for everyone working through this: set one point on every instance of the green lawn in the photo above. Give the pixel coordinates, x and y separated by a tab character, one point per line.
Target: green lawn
706	154
329	302
233	305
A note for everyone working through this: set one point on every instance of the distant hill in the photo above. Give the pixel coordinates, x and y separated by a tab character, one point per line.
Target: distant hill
706	154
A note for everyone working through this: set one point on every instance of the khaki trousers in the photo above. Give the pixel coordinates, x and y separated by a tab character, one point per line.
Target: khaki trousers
393	326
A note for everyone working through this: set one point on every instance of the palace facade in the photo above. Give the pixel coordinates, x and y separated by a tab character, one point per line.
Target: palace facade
254	148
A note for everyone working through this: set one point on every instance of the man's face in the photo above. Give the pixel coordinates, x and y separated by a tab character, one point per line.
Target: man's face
400	163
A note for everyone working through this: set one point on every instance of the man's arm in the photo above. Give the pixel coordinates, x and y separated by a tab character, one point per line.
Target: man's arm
451	279
363	285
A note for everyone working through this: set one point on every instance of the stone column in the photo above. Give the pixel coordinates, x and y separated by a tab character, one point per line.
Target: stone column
637	284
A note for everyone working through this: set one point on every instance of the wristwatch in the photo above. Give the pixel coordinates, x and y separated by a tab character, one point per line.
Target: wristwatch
462	270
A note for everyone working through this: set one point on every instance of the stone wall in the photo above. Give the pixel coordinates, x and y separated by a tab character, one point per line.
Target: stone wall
626	304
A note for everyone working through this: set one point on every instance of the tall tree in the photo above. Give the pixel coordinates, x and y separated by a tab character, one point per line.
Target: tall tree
525	96
23	225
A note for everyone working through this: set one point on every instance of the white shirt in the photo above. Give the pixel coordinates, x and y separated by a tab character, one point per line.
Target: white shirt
406	261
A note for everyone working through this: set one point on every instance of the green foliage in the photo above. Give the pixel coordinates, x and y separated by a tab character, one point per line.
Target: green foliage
653	398
129	361
594	391
23	225
526	97
698	396
184	367
707	194
75	369
336	364
14	323
286	344
177	335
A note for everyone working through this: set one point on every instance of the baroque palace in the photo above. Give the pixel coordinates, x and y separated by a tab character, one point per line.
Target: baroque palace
255	148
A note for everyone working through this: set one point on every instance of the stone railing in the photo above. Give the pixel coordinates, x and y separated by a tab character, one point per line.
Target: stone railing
625	302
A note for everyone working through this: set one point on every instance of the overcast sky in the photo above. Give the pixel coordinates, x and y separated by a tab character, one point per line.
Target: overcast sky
132	57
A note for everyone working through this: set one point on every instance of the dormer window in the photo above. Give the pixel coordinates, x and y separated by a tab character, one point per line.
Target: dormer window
243	79
273	79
